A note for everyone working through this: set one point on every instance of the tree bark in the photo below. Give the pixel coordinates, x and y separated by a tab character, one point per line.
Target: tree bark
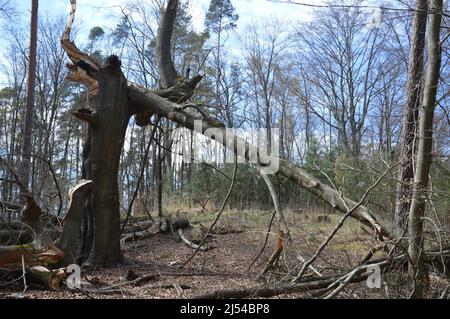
411	113
43	277
417	269
111	116
31	83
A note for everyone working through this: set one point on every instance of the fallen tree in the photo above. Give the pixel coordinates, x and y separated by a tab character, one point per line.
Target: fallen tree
15	256
112	101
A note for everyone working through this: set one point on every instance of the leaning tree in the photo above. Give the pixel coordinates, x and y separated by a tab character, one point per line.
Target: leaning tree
112	101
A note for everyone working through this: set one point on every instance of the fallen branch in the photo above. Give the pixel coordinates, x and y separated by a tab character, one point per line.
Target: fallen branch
69	240
270	291
339	225
11	256
143	234
275	255
189	243
142	99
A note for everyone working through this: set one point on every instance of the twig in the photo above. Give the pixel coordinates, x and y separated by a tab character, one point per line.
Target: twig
23	275
339	225
276	204
265	241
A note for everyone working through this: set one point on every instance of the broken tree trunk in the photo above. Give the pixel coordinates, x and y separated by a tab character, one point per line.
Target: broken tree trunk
11	256
142	99
31	214
107	120
69	240
110	119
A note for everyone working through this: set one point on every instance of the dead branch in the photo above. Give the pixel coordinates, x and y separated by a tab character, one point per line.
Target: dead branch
143	234
270	291
189	243
279	247
84	68
277	206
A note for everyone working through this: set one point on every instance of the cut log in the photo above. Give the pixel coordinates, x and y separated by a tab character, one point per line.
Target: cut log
43	277
11	256
69	241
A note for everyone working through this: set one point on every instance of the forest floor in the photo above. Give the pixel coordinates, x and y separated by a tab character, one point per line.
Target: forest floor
226	265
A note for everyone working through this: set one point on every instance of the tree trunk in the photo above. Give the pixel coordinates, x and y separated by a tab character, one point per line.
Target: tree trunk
417	270
31	83
111	116
411	113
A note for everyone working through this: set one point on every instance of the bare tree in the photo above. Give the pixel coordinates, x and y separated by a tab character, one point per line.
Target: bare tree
417	270
411	113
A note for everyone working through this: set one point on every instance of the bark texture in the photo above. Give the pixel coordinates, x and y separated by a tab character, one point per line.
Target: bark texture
111	114
417	269
411	114
31	84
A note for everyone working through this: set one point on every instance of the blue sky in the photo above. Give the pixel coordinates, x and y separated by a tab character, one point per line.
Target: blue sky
106	13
